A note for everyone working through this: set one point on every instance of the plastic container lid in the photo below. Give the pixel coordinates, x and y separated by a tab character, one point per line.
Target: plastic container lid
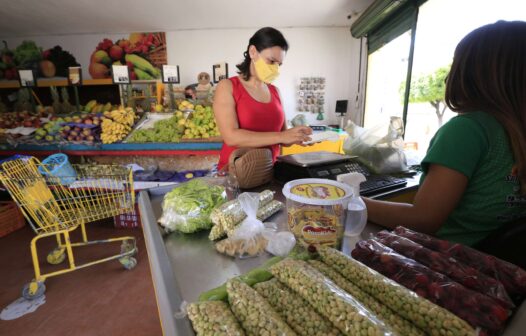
317	191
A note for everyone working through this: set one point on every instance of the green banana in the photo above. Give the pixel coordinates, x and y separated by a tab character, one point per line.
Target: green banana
142	75
142	64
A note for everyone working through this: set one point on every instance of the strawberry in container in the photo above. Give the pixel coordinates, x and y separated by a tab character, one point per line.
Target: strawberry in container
475	308
439	262
511	276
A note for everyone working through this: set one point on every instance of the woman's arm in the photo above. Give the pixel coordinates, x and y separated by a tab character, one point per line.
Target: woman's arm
435	199
226	118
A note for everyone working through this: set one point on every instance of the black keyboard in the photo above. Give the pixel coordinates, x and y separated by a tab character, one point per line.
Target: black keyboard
376	184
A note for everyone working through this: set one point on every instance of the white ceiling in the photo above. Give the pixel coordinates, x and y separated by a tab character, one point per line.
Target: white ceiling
57	17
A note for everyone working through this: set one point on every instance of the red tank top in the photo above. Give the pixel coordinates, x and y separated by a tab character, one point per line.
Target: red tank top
254	116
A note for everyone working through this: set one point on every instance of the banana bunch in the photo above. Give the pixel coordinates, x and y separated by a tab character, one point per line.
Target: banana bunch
123	116
116	125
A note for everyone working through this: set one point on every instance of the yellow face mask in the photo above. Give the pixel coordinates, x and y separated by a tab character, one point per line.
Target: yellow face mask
266	72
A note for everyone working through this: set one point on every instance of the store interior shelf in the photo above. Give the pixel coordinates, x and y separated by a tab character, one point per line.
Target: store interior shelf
46	82
118	149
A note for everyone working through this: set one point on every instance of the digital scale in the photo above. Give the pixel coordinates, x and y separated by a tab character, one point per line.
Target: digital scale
329	165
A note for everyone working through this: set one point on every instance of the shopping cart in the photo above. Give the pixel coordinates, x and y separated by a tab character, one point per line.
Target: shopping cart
56	205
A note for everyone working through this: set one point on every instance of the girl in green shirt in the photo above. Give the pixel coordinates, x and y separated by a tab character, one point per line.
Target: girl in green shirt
474	177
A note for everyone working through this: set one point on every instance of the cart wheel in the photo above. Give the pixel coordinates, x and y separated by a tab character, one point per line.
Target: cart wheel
127	247
128	262
56	256
33	290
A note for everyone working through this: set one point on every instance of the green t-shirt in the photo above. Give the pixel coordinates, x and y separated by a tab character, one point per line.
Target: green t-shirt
476	145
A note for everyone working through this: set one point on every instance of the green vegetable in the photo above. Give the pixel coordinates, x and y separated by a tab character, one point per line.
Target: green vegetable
298	314
251	278
424	314
187	207
213	318
329	300
27	53
253	312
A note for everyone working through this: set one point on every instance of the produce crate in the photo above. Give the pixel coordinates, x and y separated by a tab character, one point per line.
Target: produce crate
11	219
128	220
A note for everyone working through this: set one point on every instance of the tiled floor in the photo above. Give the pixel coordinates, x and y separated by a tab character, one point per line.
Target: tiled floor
103	299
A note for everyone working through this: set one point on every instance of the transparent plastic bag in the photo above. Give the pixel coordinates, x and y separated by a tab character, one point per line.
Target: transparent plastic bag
213	318
380	148
439	262
247	239
188	206
419	311
511	276
320	292
475	308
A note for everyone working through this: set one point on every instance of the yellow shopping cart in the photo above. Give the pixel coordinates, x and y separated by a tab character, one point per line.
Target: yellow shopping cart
57	198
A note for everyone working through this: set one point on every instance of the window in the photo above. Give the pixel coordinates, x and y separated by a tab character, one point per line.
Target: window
440	25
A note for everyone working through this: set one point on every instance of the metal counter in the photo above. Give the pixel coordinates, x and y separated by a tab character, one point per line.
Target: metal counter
185	265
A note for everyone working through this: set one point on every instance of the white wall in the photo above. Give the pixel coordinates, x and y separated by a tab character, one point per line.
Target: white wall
324	51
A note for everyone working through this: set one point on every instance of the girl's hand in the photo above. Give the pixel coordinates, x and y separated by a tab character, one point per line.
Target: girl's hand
296	135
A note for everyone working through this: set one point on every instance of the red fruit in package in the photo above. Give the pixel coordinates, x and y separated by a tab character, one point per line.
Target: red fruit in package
441	263
511	276
475	308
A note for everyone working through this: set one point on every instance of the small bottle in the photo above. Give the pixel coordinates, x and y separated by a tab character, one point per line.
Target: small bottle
356	217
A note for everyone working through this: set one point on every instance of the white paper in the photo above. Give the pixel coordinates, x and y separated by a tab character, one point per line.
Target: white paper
322	136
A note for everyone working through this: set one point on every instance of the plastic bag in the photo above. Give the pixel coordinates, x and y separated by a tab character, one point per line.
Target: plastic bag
511	276
380	148
187	207
475	308
439	262
408	304
247	239
213	318
329	300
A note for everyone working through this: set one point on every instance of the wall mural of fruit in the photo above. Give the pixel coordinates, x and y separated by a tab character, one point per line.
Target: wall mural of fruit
143	53
53	62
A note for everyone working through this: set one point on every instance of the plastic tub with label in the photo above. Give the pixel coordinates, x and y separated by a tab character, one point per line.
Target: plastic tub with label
316	210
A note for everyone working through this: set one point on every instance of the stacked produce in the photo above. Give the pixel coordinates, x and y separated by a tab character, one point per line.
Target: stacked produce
512	277
393	320
253	312
424	314
439	262
343	310
166	130
187	207
294	310
188	122
213	318
117	124
477	309
51	131
95	107
18	119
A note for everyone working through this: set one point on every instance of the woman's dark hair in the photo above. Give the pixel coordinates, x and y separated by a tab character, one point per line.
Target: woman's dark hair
264	38
489	74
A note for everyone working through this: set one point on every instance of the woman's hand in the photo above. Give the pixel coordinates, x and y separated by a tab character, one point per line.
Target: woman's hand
295	136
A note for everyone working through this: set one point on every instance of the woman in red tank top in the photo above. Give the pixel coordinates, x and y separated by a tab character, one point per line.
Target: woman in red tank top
248	108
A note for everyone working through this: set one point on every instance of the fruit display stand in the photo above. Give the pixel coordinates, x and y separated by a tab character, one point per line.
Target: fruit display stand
185	265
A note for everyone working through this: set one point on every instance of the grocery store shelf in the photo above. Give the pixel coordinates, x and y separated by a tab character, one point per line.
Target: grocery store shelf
120	149
60	81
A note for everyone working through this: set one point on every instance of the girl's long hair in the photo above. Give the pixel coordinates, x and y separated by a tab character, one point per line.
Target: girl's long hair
489	74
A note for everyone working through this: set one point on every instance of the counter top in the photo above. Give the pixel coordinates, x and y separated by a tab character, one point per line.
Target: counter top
185	265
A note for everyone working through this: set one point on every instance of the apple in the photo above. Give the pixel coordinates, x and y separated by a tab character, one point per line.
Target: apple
116	52
71	138
73	133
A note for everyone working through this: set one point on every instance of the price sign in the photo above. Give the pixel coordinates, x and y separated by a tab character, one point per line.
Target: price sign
27	78
120	74
75	76
170	74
